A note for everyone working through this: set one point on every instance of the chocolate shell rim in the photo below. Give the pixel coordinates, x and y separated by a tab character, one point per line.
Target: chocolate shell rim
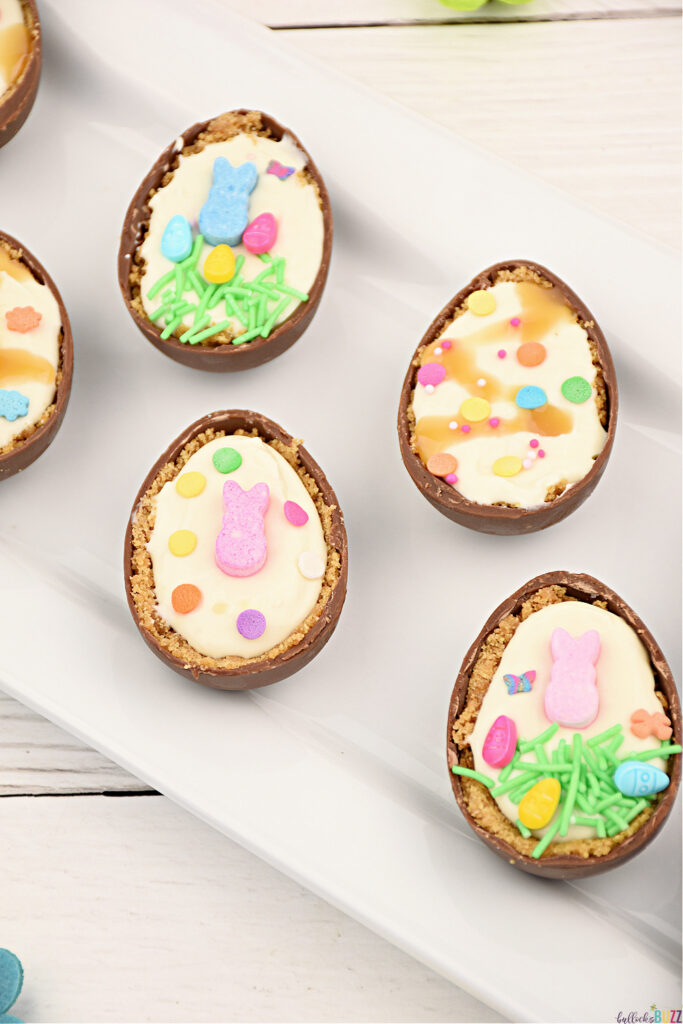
447	497
282	665
588	589
16	105
134	231
21	457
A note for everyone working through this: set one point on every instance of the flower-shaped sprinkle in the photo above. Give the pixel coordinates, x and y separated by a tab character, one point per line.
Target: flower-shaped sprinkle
13	404
23	319
11	980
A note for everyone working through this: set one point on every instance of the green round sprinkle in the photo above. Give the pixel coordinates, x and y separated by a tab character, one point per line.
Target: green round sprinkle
576	390
227	460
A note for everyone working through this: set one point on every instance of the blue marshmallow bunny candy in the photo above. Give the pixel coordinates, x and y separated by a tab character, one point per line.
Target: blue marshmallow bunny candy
225	214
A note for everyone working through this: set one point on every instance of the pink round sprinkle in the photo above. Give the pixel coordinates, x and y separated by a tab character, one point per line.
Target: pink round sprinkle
431	373
533	444
453	425
515	322
466	428
540	453
527	463
451	478
501	353
494	421
447	344
294	514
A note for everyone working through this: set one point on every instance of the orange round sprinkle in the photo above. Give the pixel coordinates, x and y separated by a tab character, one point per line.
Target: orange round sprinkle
23	319
185	598
442	464
531	353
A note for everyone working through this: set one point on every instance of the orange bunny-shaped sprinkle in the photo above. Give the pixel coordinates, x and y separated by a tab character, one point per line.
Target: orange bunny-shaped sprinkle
644	724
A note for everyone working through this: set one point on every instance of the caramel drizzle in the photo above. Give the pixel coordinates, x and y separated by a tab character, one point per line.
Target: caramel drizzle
13	267
543	310
17	365
15	46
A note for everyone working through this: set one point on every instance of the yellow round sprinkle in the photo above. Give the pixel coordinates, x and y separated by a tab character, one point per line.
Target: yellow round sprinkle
475	409
189	485
220	265
182	542
219	608
481	302
537	806
508	465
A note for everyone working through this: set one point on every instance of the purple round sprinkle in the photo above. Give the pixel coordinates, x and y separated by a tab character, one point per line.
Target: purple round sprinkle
251	624
431	373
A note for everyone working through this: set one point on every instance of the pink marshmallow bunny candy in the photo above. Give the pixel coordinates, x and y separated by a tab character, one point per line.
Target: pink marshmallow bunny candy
571	696
241	548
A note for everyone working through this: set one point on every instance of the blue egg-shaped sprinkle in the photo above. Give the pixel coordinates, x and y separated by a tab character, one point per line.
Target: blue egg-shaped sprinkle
176	241
637	778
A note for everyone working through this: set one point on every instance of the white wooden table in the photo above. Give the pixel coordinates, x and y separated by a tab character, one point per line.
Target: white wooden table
122	906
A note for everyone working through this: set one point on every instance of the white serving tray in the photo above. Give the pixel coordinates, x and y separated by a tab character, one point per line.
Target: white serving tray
338	775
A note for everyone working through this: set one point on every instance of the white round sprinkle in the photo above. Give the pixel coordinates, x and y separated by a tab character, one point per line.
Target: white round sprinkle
429	388
527	463
453	425
311	565
481	382
438	351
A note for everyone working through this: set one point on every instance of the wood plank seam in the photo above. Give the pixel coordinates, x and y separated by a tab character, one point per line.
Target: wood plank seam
512	19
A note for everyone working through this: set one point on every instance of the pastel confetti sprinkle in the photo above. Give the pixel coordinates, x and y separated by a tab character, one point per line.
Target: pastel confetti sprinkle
294	514
475	409
527	463
442	464
260	235
494	422
576	390
226	460
431	373
531	353
280	171
182	543
481	302
241	548
251	624
189	485
23	319
13	404
311	565
453	425
451	479
186	598
176	241
481	383
531	397
438	351
466	428
507	465
219	267
502	353
446	344
540	453
429	388
533	443
515	321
